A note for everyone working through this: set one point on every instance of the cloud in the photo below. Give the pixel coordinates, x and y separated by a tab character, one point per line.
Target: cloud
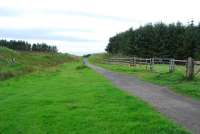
8	12
90	15
44	34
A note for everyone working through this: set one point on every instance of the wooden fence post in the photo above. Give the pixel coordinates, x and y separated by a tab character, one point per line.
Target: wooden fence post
134	61
171	65
130	62
151	64
190	68
146	64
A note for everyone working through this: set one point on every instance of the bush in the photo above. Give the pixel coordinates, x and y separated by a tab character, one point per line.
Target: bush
6	75
81	67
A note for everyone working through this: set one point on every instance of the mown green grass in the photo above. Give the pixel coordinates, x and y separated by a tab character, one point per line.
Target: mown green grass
72	99
26	62
160	75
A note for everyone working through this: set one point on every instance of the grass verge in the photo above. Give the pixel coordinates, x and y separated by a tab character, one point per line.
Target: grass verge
175	81
72	99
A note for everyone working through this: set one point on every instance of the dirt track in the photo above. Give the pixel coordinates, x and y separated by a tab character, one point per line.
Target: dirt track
181	109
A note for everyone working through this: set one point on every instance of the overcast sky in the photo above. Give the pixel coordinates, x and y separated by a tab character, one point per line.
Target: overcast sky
84	26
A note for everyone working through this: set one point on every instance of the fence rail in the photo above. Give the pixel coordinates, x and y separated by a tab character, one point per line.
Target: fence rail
150	62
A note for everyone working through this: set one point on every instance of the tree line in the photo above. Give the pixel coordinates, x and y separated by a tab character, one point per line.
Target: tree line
158	40
25	46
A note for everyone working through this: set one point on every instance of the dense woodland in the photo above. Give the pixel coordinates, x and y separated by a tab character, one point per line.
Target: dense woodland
159	40
25	46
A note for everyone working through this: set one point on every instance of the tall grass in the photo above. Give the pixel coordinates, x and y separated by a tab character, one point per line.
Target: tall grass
26	62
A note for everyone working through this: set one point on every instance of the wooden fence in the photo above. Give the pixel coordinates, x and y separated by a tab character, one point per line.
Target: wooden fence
150	62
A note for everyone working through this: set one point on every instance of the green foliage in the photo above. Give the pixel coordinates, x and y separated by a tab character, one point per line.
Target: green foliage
25	46
98	58
159	40
64	100
81	67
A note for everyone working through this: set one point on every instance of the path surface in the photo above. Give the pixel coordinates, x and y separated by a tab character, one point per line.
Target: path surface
182	110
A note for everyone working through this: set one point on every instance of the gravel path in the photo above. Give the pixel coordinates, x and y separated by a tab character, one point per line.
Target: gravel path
181	109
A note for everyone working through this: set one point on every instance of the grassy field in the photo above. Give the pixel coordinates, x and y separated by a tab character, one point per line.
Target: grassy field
160	75
72	99
26	62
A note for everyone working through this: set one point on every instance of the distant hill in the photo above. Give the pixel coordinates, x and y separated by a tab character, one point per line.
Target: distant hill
15	63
